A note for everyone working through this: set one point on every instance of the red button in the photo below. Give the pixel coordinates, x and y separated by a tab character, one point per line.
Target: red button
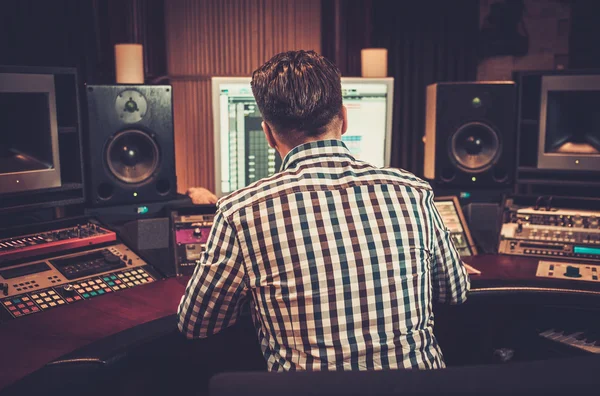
12	308
117	281
29	304
21	306
17	313
69	299
26	310
77	297
34	309
107	290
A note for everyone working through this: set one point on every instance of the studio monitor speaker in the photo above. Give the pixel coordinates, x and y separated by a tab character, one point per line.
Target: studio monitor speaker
130	144
470	133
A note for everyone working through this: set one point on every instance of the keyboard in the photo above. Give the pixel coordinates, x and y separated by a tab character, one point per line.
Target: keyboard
583	340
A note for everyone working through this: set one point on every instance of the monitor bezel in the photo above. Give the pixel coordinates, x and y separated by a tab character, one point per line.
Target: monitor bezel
16	182
564	161
216	82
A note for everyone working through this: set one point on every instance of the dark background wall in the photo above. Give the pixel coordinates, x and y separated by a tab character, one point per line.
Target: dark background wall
428	41
82	34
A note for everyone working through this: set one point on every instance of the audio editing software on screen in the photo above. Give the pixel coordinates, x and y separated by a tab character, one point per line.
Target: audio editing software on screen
246	156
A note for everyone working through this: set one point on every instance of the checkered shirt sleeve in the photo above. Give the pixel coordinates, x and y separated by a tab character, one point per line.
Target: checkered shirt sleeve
217	289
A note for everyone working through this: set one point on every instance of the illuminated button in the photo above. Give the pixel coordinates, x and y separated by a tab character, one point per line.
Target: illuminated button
17	313
51	292
77	298
34	309
47	299
52	304
60	302
35	296
12	308
144	280
26	310
108	290
88	289
21	306
130	284
7	303
43	294
69	299
86	295
137	282
138	277
84	284
25	298
30	303
100	292
96	287
150	279
56	297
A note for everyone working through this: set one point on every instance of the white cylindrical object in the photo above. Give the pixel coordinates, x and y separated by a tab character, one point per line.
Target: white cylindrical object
374	62
129	63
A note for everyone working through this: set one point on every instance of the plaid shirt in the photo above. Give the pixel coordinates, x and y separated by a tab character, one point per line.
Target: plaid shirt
341	261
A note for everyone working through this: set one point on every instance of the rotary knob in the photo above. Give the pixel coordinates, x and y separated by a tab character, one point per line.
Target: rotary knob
578	221
593	222
69	290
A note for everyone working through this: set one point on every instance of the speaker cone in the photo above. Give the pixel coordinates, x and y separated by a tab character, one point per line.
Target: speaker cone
132	156
474	147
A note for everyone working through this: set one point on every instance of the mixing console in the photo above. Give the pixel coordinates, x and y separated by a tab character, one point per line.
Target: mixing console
87	234
68	278
560	233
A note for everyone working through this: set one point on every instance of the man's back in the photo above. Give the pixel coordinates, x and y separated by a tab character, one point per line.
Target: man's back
341	260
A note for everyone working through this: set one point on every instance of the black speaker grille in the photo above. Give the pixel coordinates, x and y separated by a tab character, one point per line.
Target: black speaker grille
132	156
475	147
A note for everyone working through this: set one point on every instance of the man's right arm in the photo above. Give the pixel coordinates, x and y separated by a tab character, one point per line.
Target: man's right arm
450	278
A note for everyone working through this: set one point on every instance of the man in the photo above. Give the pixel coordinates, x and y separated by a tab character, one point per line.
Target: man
341	260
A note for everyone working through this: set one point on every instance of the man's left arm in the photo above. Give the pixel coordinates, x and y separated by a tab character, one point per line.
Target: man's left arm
217	289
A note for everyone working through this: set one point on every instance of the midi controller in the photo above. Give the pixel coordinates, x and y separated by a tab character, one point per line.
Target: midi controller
569	238
61	266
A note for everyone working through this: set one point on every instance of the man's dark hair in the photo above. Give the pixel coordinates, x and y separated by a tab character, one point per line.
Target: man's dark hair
298	92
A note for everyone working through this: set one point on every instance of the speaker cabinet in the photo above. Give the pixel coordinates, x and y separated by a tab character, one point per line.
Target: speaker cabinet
470	133
130	144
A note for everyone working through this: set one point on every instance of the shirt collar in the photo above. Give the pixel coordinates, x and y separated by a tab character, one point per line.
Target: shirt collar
319	148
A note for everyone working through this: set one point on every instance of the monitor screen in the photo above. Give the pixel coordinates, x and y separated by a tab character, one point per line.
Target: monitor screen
242	155
569	124
29	152
452	216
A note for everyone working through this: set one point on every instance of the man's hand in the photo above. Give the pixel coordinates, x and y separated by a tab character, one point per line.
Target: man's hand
201	196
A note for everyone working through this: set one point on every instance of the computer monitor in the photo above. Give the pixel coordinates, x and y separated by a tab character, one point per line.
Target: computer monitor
453	218
242	155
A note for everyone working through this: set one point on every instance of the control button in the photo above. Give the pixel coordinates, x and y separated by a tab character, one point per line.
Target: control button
572	272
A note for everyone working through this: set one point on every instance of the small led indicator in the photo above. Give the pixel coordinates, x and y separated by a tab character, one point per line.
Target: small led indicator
142	210
576	161
474	179
135	194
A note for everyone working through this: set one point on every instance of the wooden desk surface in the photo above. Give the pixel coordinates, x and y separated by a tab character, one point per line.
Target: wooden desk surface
35	340
49	335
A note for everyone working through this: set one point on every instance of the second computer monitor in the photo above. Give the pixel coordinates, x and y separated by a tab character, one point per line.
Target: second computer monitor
242	154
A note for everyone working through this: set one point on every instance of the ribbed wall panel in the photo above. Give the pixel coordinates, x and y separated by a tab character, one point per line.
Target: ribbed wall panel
224	38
